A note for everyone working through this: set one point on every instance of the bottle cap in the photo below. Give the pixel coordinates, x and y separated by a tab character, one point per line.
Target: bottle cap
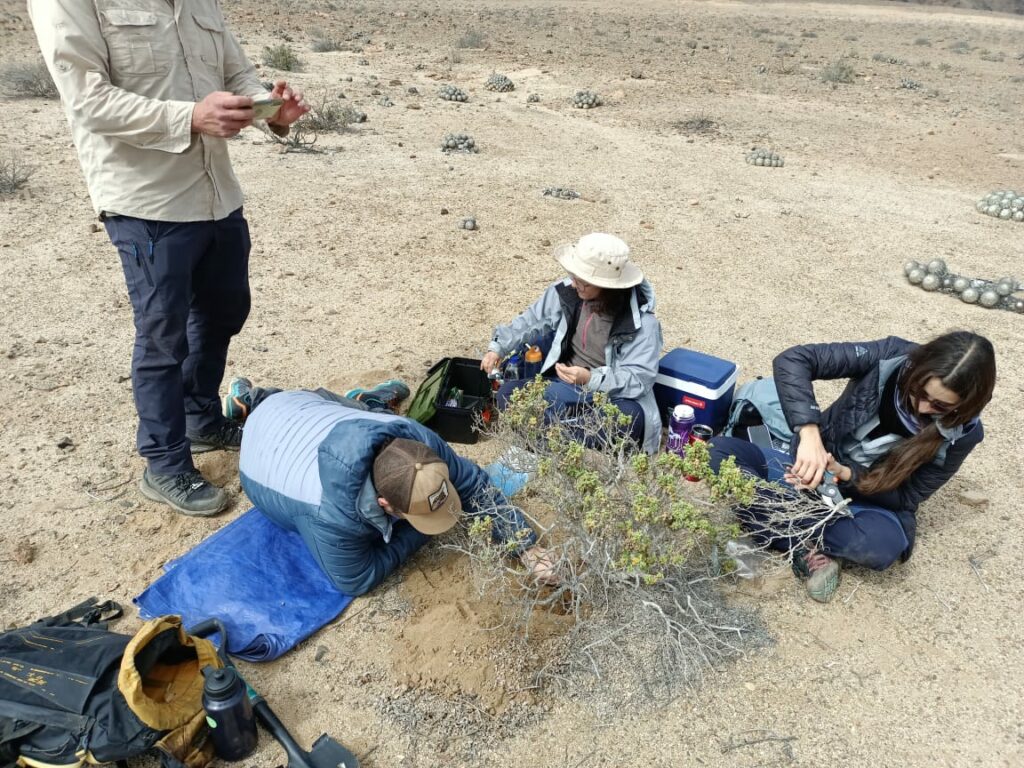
219	684
683	411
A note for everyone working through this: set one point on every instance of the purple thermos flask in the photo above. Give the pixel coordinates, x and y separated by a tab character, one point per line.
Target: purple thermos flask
679	426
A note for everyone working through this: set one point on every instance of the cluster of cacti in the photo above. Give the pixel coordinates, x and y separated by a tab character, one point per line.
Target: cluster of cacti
910	85
458	142
563	194
469	224
499	83
452	93
533	98
759	156
1003	205
993	294
586	100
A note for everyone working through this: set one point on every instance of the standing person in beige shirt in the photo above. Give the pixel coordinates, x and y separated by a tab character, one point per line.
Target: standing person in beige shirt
152	90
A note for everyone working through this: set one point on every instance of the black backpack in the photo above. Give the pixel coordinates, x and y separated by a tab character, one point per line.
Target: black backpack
73	692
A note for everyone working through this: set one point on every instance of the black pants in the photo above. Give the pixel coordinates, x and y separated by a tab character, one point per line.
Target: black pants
189	287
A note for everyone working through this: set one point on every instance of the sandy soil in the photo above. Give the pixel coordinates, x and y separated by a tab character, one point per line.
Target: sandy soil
356	272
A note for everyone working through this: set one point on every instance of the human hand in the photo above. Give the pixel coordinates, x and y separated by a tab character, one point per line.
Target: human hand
222	114
490	362
842	472
540	563
292	109
811	458
573	374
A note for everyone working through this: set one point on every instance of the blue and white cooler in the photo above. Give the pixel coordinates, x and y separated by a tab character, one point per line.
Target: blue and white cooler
702	381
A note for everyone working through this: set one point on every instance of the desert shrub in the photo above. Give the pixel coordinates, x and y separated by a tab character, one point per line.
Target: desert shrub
922	41
14	174
636	545
696	125
808	33
471	39
944	67
325	44
28	81
281	57
960	46
838	72
328	115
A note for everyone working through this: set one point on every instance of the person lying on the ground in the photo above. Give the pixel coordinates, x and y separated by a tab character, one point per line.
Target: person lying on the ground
605	337
902	427
364	488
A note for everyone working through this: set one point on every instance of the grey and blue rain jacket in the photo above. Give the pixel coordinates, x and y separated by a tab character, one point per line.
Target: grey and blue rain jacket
846	423
307	464
631	355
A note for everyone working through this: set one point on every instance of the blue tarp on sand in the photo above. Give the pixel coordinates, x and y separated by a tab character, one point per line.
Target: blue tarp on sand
257	578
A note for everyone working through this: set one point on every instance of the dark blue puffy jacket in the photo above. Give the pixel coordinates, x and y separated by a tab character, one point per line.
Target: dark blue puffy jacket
867	364
307	462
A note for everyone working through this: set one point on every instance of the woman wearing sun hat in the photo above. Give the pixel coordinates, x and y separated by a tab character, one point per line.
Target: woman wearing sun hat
603	335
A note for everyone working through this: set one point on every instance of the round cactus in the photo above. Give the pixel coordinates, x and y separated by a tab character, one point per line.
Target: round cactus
468	224
1002	204
499	83
909	266
458	142
937	267
533	98
586	100
970	295
961	284
560	193
766	158
931	282
916	276
988	298
452	93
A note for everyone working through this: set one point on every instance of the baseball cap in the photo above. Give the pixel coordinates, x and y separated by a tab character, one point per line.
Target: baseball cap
415	482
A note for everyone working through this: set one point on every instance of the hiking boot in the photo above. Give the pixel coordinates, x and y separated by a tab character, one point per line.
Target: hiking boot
387	395
821	572
226	437
190	493
238	400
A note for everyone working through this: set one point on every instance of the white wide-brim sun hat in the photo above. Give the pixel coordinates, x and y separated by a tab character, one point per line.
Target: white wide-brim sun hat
601	260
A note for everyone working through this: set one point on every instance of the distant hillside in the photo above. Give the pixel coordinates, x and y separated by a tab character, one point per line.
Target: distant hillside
1002	6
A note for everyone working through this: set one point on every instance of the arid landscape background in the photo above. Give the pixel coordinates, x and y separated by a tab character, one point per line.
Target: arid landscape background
359	270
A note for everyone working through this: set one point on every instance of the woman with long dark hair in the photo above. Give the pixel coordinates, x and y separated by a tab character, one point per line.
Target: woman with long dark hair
902	427
599	327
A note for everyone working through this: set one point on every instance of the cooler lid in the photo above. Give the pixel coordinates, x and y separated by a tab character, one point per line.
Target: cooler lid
707	370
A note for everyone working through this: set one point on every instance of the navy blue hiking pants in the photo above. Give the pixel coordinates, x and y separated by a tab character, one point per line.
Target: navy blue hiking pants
189	287
872	537
565	401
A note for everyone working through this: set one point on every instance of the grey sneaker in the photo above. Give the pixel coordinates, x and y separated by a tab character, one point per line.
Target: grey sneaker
822	577
190	493
227	437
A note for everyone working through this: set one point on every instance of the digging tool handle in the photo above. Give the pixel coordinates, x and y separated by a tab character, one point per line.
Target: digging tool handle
297	756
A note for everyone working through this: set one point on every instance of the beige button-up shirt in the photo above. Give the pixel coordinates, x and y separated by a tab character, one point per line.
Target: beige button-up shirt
129	73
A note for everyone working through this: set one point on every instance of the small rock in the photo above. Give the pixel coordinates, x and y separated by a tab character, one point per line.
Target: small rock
94	227
545	243
65	442
693	201
974	498
444	211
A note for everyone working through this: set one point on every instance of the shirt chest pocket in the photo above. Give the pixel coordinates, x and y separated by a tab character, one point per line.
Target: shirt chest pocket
133	41
210	40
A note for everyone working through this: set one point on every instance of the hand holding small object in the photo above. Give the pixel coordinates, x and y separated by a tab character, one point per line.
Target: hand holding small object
573	374
490	362
293	107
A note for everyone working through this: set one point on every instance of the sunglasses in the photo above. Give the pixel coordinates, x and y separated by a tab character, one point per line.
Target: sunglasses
938	406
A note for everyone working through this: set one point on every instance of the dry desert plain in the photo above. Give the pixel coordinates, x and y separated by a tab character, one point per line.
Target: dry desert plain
357	273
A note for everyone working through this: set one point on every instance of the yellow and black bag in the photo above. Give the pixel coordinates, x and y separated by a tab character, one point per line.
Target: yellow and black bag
72	692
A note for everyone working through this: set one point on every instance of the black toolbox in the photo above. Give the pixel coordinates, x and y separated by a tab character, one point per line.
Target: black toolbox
451	380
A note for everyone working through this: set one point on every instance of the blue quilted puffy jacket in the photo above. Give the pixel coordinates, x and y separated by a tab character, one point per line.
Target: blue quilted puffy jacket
307	463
